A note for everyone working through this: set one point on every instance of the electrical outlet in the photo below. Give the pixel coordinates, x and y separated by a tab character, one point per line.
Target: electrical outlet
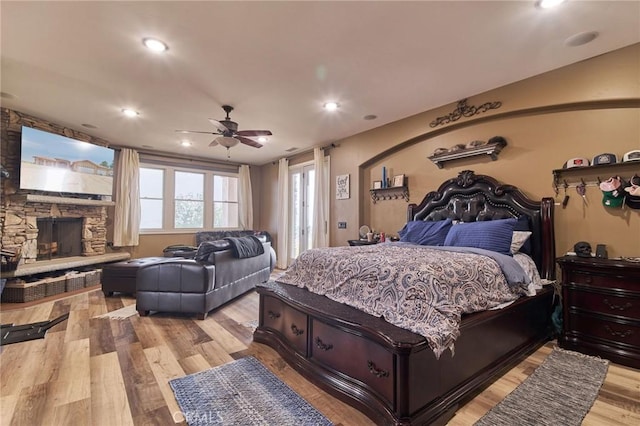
342	225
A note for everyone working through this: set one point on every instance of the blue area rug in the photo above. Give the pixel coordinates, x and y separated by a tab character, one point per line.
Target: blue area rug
242	392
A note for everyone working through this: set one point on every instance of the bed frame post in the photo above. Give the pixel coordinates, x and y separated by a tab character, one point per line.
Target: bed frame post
549	244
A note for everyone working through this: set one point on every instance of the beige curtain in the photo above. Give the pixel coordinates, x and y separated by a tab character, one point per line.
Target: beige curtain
245	202
282	243
126	223
320	236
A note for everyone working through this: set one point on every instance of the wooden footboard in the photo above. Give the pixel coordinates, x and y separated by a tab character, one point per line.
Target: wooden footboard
389	373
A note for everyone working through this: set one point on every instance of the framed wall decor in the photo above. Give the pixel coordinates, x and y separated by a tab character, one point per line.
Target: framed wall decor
398	180
377	184
342	187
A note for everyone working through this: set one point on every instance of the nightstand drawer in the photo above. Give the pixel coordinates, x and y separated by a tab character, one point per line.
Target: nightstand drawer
609	304
615	332
609	281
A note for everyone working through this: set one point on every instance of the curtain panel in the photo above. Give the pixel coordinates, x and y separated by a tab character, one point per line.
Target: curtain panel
320	198
282	242
245	202
126	223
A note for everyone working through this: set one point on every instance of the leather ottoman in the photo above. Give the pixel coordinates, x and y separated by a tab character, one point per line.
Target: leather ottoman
121	276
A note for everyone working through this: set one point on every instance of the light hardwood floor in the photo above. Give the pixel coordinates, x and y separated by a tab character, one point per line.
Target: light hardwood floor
100	371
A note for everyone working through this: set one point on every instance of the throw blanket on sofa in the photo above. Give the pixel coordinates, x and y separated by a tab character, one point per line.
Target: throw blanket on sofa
244	247
418	288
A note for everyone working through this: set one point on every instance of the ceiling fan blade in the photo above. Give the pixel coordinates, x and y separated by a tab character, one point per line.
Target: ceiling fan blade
248	141
254	133
213	143
195	131
218	125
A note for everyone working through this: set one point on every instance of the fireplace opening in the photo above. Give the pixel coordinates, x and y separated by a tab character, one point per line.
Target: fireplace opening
59	237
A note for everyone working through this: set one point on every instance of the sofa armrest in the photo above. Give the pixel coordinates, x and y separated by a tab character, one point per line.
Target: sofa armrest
176	276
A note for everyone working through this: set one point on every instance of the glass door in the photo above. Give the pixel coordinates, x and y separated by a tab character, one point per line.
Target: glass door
301	187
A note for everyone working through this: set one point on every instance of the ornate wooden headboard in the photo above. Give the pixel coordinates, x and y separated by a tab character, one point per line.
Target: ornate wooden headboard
470	197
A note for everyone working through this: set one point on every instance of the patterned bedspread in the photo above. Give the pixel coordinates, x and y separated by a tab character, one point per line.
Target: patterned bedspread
418	288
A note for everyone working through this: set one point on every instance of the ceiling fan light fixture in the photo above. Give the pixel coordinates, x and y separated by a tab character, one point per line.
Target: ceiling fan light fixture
155	45
227	142
262	139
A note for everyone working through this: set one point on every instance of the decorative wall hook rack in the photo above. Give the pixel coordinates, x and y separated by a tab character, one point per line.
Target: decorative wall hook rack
392	193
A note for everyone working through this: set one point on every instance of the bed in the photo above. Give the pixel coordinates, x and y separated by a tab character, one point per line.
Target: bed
392	373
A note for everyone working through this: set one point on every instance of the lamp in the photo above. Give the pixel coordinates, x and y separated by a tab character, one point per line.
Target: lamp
227	141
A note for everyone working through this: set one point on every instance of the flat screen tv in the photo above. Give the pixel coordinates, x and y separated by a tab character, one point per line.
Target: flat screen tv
55	163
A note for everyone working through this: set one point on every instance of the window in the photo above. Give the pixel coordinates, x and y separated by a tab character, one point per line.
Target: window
151	200
225	202
189	200
176	198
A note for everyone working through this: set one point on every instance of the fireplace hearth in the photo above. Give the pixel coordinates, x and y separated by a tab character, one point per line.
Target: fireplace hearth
59	237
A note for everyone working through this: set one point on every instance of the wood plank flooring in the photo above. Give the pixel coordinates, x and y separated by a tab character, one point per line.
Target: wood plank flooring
101	371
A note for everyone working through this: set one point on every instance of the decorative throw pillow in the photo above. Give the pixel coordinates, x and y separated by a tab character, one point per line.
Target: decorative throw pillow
426	233
518	239
523	225
494	235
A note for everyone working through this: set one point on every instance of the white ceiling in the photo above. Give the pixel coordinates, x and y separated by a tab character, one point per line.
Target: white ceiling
78	63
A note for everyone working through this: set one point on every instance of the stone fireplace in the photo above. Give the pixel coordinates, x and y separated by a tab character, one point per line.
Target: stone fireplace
29	219
43	228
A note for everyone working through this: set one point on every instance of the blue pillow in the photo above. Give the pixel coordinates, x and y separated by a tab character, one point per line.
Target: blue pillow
426	233
494	235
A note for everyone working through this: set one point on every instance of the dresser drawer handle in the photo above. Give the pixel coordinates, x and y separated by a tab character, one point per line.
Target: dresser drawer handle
617	307
273	315
622	334
296	330
379	373
324	346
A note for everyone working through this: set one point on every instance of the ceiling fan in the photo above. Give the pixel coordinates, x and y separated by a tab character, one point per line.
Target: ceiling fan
229	133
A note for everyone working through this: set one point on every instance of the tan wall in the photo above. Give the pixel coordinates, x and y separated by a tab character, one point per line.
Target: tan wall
580	110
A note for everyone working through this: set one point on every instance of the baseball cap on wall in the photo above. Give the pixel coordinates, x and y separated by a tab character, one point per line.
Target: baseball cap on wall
576	162
631	156
633	196
606	158
612	192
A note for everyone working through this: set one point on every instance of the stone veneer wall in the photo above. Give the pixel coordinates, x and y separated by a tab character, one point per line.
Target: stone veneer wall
18	229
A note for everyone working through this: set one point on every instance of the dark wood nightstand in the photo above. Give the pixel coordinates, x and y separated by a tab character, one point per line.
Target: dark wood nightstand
601	308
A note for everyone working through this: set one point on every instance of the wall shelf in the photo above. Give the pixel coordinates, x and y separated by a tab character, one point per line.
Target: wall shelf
602	172
391	193
492	149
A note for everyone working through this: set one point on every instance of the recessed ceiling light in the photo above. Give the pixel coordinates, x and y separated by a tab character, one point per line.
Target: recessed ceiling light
548	4
581	38
370	117
130	112
331	106
155	45
185	143
262	139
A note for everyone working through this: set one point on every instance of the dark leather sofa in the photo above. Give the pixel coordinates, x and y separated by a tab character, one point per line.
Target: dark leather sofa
202	284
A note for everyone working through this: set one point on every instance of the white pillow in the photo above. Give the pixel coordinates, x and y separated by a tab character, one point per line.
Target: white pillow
518	239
